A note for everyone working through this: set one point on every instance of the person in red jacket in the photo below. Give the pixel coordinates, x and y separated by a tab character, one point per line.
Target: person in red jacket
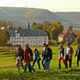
61	55
28	58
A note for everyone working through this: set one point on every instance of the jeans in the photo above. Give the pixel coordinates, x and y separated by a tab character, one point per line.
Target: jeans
46	64
38	61
43	63
70	61
29	67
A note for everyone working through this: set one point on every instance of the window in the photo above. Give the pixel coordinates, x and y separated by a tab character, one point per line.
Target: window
16	35
11	41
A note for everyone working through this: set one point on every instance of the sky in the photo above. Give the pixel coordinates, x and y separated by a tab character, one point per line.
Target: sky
52	5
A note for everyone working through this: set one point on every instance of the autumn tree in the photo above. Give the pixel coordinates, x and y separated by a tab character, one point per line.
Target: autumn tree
3	23
36	26
46	25
4	36
55	29
52	29
78	39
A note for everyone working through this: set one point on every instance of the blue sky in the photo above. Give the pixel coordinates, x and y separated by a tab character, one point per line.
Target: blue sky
52	5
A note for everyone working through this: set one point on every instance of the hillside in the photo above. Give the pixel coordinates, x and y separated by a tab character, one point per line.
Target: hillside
72	17
23	15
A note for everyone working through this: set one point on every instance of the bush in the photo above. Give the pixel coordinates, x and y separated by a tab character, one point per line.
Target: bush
77	40
52	42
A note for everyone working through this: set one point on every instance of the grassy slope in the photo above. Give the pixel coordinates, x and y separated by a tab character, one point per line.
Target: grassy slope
8	70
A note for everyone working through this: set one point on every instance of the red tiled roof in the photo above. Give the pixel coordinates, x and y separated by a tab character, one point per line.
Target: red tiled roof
64	33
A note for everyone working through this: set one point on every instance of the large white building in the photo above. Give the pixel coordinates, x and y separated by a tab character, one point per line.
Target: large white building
33	37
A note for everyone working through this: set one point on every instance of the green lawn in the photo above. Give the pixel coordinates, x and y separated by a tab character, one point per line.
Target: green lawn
8	70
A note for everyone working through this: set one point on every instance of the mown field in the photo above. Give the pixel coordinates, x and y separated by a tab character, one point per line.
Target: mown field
8	69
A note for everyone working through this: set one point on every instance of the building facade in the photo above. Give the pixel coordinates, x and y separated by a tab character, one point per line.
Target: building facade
66	36
33	37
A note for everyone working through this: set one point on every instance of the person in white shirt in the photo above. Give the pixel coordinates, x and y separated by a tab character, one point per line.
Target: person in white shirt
68	55
43	53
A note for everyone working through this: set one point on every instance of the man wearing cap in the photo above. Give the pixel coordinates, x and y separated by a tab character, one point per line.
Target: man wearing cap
47	57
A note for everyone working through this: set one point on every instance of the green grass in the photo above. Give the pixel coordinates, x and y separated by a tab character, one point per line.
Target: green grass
8	70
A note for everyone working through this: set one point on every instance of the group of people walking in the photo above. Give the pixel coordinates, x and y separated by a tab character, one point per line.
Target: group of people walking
67	57
28	57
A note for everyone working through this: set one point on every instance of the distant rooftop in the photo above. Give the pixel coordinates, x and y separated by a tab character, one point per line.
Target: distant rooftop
27	32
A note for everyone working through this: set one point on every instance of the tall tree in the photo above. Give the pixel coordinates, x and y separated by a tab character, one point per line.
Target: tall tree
37	26
46	25
4	36
3	23
78	39
55	29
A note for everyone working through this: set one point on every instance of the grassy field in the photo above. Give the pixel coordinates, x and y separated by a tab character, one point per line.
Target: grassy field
8	69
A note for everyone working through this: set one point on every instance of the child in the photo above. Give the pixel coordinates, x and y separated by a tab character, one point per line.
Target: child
78	54
36	57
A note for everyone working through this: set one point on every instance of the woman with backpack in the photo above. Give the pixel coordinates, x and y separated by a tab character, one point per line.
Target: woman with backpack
36	57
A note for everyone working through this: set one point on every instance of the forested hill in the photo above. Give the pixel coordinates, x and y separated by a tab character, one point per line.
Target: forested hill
23	15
